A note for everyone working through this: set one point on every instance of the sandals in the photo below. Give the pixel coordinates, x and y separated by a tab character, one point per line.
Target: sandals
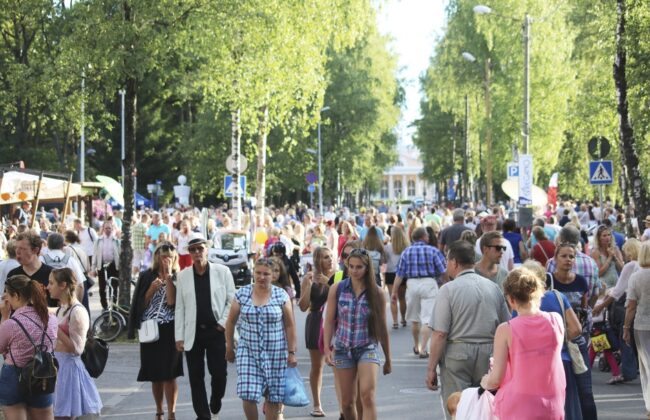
415	351
616	380
424	355
171	416
160	416
403	323
317	412
395	325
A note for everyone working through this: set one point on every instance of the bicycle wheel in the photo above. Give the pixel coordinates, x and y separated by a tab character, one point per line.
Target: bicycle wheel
109	325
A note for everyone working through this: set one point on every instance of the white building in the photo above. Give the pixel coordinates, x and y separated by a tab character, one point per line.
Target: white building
404	180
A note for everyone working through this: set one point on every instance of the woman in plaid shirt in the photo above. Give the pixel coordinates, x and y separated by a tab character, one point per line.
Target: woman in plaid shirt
358	323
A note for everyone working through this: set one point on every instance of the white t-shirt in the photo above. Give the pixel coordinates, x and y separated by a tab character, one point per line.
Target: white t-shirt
87	238
5	267
646	234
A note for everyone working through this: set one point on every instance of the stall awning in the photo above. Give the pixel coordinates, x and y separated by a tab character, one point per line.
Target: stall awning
18	186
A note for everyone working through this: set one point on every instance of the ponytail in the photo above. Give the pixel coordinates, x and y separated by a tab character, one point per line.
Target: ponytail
39	301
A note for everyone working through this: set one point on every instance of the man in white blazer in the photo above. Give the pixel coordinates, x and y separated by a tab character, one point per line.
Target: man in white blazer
204	294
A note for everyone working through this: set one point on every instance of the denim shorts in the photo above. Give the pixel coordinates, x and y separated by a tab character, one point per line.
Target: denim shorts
10	393
344	359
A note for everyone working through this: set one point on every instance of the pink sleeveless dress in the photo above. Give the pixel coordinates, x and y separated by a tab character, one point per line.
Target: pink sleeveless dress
534	385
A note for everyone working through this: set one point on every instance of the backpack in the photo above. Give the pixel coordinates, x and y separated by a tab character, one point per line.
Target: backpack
38	376
56	262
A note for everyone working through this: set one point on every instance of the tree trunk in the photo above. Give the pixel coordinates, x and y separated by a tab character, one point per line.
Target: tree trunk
636	190
260	192
130	114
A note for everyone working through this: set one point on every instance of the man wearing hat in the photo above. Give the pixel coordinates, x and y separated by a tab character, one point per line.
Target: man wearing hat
646	232
204	293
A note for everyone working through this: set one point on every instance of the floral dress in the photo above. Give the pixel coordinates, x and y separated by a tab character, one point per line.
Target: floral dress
262	348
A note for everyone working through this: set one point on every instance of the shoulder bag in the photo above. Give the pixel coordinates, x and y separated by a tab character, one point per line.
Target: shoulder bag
148	332
577	361
95	354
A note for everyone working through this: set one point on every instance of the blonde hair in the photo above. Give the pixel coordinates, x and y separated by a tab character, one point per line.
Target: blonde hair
644	255
631	248
523	286
159	252
399	240
536	268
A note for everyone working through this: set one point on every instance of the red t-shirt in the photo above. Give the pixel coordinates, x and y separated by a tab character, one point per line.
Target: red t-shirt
543	251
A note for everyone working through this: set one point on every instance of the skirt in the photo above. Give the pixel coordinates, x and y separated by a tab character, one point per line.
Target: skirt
643	344
75	393
159	361
312	329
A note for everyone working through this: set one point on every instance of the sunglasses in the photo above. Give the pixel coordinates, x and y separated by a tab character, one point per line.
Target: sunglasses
196	249
501	248
166	248
359	251
265	261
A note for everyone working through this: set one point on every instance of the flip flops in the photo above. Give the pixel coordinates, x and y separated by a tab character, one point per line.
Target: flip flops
317	413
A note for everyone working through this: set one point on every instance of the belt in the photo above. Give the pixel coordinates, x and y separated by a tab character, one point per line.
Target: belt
207	327
424	277
469	342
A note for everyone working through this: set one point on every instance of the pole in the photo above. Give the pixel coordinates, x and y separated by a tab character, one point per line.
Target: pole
466	183
320	174
526	124
235	151
122	94
82	142
488	132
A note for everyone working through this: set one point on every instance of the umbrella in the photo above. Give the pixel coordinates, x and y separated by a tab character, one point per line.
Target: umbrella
113	188
511	188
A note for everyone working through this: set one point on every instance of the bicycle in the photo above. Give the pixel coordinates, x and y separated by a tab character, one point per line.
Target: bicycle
111	322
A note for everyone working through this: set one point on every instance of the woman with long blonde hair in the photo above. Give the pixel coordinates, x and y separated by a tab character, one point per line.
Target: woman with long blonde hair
398	243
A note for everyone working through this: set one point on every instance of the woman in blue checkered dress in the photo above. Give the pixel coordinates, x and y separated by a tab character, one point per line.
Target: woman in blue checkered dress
267	342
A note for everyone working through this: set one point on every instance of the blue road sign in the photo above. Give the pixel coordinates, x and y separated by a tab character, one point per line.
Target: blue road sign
311	188
601	172
230	188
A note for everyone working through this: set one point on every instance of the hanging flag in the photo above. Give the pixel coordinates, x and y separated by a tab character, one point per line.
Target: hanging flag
552	190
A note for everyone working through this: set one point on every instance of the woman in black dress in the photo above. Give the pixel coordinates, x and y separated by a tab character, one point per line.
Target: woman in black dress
154	298
314	295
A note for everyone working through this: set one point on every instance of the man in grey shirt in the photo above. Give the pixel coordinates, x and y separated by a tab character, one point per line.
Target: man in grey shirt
466	314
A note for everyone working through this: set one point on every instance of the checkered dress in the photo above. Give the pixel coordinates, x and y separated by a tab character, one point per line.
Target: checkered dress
262	349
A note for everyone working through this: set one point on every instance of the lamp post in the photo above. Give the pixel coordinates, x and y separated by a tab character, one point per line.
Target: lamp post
122	93
487	80
320	165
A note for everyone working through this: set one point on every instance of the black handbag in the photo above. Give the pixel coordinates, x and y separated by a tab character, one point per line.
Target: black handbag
95	355
38	377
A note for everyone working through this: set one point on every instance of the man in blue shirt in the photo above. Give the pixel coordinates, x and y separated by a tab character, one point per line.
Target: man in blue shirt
423	266
154	231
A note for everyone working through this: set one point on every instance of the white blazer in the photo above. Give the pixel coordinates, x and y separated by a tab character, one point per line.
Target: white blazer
222	290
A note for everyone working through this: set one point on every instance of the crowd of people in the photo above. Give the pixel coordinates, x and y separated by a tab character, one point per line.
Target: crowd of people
519	312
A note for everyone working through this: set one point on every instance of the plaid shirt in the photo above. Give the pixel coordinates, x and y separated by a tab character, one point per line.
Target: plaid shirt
137	236
421	260
352	317
587	268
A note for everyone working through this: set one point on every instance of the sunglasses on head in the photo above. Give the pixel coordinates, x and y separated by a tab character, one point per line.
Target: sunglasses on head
166	248
358	251
498	247
265	261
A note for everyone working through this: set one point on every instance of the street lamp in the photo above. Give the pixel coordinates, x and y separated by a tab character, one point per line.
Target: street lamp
320	165
487	77
122	93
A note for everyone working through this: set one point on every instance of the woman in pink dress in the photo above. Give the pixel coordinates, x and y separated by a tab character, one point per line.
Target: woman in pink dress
527	367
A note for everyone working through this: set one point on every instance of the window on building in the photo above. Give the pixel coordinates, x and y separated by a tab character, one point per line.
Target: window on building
397	188
411	188
384	189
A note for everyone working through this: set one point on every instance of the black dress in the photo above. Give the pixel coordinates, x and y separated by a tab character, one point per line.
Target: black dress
317	299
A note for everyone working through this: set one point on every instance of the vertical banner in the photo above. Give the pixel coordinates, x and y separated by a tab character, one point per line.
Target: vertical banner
525	180
552	190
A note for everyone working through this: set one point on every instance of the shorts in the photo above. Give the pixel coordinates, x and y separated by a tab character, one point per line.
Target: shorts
420	296
344	359
138	257
10	393
389	278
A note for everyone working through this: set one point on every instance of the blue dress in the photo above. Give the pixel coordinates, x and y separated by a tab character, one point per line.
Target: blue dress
262	348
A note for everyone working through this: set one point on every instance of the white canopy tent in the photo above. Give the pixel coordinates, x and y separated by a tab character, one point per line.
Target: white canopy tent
17	186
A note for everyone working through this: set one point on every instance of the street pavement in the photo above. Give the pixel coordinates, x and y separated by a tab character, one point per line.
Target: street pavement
400	395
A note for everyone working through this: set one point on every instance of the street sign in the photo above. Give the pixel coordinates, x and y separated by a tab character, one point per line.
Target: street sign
231	164
311	188
598	147
513	170
230	187
525	180
311	178
601	172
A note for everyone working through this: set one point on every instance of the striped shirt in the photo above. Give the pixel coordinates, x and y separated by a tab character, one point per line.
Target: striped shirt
352	316
421	260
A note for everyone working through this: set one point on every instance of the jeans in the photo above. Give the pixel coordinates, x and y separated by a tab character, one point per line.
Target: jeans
629	363
572	409
208	343
583	382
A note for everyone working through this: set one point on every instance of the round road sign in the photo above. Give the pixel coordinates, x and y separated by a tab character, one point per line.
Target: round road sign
231	164
599	147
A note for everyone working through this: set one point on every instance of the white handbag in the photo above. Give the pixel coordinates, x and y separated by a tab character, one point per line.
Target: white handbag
148	332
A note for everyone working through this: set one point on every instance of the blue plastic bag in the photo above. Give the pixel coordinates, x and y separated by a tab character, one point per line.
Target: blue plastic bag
295	394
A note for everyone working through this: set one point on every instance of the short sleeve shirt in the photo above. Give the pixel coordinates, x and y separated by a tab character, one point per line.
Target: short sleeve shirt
421	260
469	309
42	275
639	290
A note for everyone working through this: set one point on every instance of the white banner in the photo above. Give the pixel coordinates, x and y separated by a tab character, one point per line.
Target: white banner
525	180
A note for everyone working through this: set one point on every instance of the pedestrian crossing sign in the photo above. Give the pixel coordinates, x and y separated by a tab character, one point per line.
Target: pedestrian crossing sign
230	187
601	172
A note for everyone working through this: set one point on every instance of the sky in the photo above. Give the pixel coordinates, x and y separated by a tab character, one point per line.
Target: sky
414	25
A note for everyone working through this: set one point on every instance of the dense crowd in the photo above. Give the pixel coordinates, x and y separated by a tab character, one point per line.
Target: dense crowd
522	313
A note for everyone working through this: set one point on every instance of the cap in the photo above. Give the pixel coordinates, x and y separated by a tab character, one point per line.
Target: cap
196	240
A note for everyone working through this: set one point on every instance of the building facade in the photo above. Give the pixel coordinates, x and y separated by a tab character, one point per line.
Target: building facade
404	181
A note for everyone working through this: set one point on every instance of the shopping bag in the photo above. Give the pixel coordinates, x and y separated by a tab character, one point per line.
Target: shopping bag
600	343
474	407
295	394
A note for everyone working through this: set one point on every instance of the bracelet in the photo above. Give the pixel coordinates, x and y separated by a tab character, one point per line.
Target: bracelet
292	352
626	328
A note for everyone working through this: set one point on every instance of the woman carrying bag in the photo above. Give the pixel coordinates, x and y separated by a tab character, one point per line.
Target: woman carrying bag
75	393
154	299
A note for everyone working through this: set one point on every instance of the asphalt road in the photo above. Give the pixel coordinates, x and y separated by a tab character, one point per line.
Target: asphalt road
400	395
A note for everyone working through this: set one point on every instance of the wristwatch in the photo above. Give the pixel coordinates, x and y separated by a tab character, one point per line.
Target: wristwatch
292	352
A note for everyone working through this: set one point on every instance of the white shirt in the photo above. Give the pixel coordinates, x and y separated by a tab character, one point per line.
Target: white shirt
87	238
5	267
